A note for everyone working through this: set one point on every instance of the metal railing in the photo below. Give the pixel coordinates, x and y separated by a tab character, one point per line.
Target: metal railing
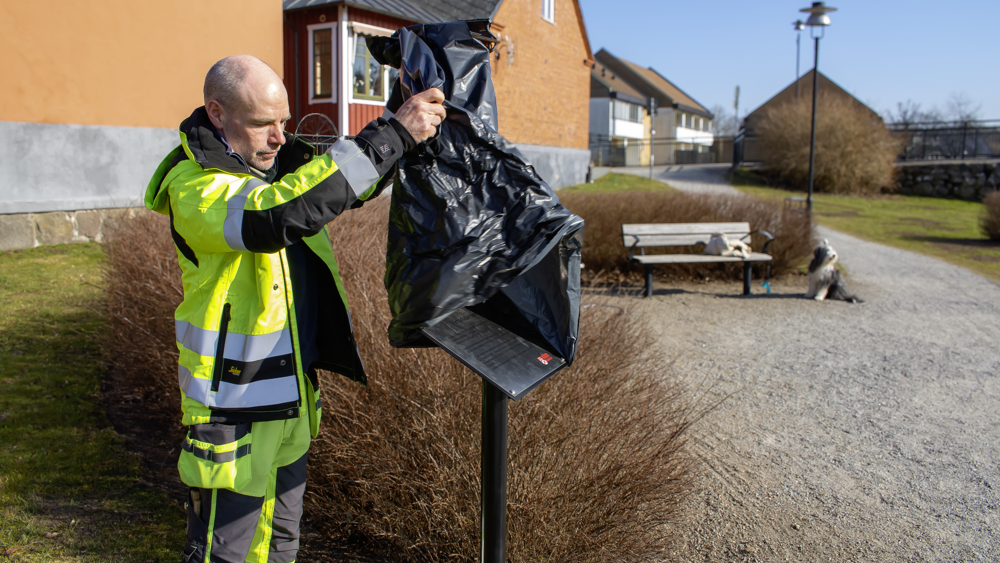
948	141
922	141
616	151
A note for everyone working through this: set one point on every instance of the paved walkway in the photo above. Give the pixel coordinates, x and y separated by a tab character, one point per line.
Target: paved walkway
864	432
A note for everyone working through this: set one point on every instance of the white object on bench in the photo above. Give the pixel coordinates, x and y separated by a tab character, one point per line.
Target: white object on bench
642	236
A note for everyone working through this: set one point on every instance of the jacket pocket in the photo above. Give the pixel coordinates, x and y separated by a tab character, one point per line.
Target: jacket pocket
220	348
216	456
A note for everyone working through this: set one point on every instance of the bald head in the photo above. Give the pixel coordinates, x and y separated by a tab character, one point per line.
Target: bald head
246	102
237	80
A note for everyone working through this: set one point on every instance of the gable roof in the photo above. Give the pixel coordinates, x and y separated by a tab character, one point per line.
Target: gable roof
604	83
805	89
451	10
403	9
652	84
422	11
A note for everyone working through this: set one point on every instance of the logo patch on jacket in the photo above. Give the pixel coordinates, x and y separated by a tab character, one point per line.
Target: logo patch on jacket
385	149
234	370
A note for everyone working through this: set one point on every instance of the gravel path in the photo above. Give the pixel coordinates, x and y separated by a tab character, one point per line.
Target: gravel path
864	432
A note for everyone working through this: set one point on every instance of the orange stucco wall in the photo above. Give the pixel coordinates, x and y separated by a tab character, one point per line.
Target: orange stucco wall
544	94
123	62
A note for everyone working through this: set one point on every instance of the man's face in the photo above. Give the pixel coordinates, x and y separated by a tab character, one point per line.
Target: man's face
254	127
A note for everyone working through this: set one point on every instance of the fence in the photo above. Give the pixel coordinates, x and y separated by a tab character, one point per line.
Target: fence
948	141
614	151
924	141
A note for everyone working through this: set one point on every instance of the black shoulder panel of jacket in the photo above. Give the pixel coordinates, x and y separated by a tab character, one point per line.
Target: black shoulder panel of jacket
182	245
273	229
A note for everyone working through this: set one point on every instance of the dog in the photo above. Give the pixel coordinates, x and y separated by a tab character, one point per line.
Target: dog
720	245
825	281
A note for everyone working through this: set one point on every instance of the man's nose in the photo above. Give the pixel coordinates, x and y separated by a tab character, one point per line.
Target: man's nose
278	136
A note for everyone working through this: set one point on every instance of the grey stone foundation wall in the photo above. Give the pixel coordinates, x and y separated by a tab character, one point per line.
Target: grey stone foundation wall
558	166
28	230
968	180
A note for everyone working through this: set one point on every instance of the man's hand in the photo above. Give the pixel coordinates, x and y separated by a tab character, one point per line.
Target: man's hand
422	113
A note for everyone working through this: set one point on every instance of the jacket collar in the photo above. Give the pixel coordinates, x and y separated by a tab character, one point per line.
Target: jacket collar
211	151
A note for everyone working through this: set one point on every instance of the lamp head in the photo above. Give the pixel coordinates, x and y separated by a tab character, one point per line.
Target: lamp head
818	14
799	25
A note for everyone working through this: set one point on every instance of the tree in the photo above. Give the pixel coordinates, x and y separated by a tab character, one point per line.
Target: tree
962	109
908	114
724	124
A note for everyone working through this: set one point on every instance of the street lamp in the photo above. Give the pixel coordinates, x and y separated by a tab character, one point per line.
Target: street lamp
818	18
799	26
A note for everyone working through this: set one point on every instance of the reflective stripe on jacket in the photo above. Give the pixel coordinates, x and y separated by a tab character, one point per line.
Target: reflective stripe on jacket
240	355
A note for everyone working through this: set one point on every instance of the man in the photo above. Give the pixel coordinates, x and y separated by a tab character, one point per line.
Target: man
263	306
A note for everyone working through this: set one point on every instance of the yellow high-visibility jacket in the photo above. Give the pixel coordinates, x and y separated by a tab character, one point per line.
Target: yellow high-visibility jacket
239	340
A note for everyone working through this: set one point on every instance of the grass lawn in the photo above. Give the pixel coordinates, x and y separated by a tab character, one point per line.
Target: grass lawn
612	182
69	491
944	228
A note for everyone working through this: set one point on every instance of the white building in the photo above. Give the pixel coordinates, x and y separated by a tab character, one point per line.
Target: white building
681	129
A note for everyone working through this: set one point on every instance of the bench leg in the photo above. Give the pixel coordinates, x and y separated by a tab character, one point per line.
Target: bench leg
649	280
746	278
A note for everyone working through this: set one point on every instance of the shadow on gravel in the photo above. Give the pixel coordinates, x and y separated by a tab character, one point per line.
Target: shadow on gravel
970	242
639	293
762	296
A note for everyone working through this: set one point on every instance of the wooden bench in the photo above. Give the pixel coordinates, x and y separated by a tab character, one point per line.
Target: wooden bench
687	234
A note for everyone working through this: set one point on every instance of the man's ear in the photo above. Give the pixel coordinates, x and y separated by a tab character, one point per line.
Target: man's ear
216	114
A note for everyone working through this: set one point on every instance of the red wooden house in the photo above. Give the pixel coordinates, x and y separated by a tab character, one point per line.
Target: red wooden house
541	69
328	69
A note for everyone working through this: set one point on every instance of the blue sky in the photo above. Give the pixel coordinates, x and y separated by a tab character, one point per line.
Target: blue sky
882	51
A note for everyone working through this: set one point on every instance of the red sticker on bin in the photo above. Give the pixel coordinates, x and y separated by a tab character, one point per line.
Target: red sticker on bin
545	359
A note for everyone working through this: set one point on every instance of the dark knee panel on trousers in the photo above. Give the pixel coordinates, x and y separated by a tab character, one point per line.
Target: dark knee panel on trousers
235	522
290	486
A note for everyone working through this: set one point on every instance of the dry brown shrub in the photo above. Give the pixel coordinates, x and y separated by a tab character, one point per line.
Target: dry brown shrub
990	221
143	287
596	470
855	153
604	213
140	394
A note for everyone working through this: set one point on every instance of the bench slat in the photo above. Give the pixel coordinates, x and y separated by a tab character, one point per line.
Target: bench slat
698	258
684	228
677	240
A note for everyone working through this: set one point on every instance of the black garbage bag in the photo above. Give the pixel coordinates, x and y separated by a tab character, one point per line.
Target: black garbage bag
471	224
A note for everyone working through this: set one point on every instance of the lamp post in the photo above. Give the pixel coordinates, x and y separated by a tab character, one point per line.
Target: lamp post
818	18
799	26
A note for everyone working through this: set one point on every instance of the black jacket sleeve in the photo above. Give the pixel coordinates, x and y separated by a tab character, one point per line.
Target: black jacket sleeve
380	145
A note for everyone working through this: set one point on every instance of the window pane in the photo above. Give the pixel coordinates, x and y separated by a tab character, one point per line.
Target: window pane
368	73
322	59
393	76
547	9
359	75
374	78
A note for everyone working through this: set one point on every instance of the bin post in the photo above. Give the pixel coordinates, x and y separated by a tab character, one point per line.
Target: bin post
746	278
494	475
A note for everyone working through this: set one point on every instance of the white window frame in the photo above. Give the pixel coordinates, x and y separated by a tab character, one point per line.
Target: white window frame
334	44
355	30
549	11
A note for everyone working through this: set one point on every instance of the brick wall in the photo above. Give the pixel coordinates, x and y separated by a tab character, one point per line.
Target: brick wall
543	95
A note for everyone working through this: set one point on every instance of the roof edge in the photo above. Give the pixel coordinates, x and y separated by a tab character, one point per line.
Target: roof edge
681	90
635	76
803	77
